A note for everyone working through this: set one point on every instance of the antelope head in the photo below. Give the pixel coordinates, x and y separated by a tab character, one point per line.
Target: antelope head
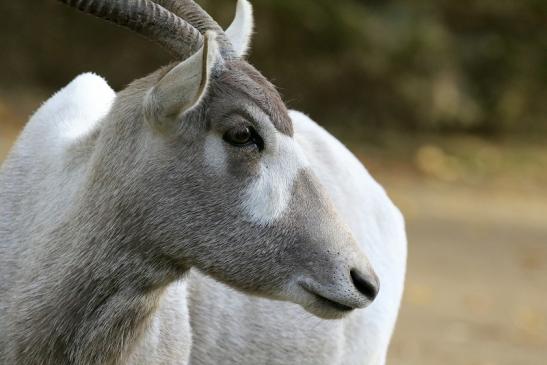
202	154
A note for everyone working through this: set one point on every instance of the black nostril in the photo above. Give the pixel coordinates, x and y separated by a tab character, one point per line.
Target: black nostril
368	286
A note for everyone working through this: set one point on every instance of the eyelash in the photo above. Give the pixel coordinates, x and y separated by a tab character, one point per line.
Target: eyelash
257	139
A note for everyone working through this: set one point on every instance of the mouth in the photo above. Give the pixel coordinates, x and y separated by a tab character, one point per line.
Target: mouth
326	302
331	303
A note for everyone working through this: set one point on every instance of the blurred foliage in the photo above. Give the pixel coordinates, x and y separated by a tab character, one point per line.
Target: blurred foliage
423	65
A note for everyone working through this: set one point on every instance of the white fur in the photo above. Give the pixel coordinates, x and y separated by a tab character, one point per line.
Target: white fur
168	339
72	112
269	194
240	31
215	154
64	121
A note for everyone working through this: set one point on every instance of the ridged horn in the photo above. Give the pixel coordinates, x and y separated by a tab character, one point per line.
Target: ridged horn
148	19
194	14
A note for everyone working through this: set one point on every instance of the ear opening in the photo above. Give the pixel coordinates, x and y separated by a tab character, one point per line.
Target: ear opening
210	54
241	30
183	88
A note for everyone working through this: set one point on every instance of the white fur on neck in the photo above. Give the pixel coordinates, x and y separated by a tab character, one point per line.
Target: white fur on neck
240	31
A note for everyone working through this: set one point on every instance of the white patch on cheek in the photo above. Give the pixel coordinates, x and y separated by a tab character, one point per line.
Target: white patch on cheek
215	155
269	194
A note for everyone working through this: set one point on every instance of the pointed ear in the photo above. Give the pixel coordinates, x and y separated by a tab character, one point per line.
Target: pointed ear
182	88
241	30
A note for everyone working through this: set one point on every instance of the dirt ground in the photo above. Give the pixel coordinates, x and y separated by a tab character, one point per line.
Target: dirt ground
476	290
477	277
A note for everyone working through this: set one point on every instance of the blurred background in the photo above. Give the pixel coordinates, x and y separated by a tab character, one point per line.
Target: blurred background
445	101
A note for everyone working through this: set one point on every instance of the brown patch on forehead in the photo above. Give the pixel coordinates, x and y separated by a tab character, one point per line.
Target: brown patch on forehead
243	78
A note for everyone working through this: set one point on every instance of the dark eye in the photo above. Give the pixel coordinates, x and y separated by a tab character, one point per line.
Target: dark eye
238	136
243	136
